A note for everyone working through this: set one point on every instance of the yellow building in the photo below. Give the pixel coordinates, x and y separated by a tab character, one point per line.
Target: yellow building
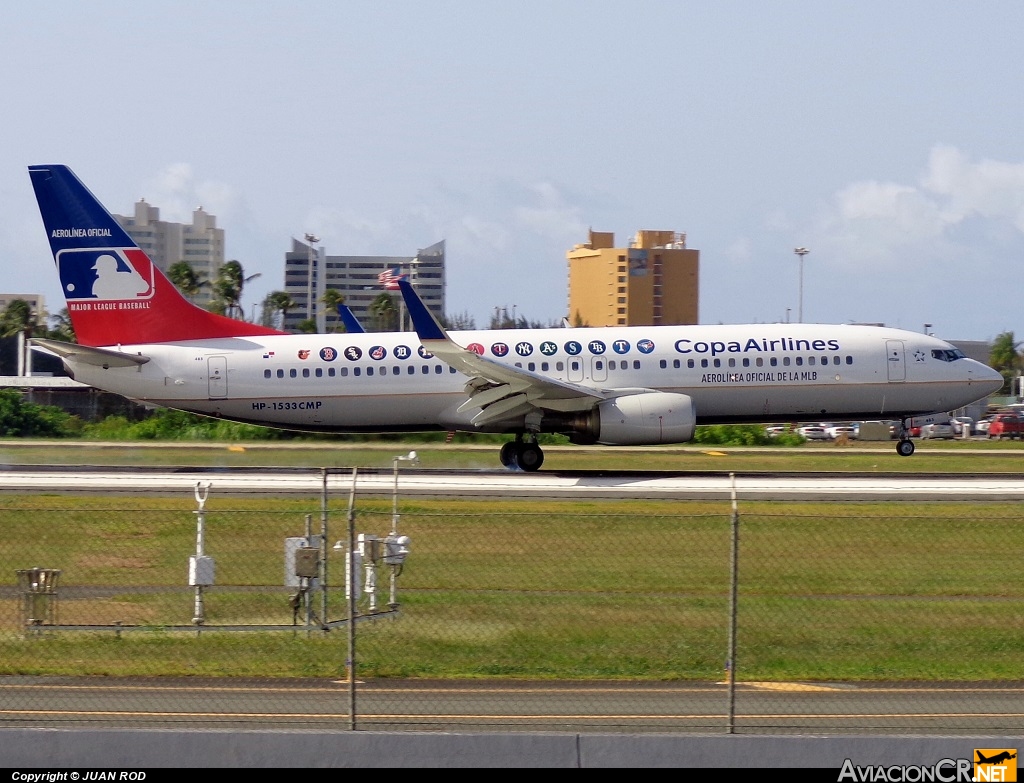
652	282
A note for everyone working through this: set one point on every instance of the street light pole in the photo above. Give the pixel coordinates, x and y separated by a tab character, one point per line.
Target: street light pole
310	313
801	251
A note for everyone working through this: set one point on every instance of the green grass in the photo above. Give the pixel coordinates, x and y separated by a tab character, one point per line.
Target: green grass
599	589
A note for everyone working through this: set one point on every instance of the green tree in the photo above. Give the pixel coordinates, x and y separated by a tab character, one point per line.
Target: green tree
278	302
17	317
331	299
459	321
385	314
227	289
61	328
307	326
186	279
1005	357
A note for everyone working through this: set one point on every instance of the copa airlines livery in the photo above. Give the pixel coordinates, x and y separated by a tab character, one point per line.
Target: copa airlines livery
140	338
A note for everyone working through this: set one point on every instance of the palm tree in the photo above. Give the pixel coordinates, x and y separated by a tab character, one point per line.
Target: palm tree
1004	357
17	317
61	328
279	302
331	299
385	315
186	279
227	289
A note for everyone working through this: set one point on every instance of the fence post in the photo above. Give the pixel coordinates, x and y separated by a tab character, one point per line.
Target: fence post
352	577
733	594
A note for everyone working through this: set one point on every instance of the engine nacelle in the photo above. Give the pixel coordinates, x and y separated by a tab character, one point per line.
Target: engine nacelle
638	420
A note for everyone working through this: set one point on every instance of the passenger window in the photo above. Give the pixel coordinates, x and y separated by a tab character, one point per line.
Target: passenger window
344	372
810	361
531	366
689	363
266	373
636	364
703	362
746	361
438	369
410	370
732	362
305	372
293	373
319	372
664	364
396	370
849	360
356	371
369	371
559	366
330	371
799	361
544	366
280	373
759	361
785	361
718	362
675	364
774	361
426	369
598	365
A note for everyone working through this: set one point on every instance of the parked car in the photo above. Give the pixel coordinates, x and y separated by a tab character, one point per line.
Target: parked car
981	427
813	432
841	430
939	429
776	429
1005	425
960	422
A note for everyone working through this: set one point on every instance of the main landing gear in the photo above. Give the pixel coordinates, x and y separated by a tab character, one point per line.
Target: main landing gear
522	453
905	446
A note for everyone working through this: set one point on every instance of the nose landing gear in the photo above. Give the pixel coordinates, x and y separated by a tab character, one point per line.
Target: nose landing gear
905	446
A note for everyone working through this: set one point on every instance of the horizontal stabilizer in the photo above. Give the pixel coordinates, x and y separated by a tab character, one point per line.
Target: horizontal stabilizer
99	357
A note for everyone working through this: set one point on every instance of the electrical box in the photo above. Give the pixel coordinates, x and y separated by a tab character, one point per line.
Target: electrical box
396	549
307	562
200	571
292	547
369	547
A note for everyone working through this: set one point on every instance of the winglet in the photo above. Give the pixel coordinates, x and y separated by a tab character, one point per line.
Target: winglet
348	318
426	325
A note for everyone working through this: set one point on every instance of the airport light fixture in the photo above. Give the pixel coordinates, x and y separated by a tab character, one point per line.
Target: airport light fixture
801	252
927	327
413	459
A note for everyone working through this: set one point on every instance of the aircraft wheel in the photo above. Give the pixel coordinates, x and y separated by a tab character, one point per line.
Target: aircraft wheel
530	457
507	455
905	448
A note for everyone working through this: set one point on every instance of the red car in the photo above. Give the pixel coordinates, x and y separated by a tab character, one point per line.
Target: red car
1005	425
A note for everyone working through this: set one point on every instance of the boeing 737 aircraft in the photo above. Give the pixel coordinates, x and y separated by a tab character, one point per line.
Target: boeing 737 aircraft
140	338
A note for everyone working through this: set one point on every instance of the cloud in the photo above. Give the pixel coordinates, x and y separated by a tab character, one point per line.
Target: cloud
928	224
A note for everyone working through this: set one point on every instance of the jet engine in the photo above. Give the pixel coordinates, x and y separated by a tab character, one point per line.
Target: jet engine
637	420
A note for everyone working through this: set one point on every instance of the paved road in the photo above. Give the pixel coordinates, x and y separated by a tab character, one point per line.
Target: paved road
391	705
563	484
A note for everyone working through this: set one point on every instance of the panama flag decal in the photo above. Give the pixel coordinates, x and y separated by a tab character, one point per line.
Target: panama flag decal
105	274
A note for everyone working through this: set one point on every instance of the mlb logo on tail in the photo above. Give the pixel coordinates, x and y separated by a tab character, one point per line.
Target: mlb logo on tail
105	274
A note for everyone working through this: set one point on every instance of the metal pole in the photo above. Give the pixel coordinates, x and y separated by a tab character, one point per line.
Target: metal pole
202	492
352	577
394	500
323	547
801	252
733	596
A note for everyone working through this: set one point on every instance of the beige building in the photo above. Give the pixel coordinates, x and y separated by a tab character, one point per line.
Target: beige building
200	243
652	282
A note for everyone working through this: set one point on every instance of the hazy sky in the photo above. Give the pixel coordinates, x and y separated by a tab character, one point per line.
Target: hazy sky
886	137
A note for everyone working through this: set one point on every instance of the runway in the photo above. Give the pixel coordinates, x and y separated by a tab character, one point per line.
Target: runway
564	485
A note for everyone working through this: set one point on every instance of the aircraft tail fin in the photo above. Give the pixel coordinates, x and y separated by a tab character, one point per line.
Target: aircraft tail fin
348	318
115	294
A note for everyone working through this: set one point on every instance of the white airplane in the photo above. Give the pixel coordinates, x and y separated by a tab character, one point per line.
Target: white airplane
140	338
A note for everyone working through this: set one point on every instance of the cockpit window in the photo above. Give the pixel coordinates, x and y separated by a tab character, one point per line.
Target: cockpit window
948	354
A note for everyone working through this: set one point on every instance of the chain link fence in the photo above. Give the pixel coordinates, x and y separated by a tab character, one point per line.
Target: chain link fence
553	615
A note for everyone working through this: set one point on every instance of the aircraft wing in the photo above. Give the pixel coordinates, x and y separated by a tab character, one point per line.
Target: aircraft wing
501	391
100	357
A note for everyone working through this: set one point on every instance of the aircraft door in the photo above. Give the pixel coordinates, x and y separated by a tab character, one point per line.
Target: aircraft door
217	374
574	368
598	369
895	363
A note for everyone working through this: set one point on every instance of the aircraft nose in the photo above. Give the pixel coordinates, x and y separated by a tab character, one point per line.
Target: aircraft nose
987	378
